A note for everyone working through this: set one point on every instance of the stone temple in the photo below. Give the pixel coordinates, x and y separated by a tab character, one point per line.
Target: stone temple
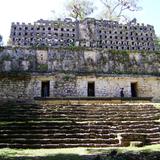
79	84
89	58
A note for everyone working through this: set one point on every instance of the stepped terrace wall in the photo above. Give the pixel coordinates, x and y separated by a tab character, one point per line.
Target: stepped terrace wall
79	60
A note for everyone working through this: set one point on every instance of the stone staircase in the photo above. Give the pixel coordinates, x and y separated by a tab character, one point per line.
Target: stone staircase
54	126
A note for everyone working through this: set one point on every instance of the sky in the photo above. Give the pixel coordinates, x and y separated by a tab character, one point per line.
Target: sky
29	11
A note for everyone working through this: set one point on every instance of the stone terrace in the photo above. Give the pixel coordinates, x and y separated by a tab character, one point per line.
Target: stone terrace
54	126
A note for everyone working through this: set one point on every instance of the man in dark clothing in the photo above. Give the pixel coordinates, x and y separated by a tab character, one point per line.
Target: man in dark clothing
121	92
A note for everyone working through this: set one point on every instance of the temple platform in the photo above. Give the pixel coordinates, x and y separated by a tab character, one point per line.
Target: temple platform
91	100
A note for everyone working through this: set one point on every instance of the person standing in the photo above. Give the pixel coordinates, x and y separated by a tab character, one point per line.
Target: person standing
122	92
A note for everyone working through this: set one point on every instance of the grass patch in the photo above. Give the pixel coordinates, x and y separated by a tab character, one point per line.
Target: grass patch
149	148
71	153
45	154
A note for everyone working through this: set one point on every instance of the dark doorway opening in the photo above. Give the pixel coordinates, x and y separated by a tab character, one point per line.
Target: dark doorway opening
91	89
45	87
134	89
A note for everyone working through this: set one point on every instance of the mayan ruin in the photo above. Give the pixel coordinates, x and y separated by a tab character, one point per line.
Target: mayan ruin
80	84
80	80
90	33
89	58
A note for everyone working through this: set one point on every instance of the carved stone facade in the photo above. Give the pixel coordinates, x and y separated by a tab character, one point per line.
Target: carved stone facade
45	33
68	73
89	33
71	85
98	61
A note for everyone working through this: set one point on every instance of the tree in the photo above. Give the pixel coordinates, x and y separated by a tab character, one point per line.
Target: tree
118	9
9	42
1	42
79	9
157	43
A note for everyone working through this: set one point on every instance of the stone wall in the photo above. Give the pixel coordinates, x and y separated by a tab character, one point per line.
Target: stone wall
65	85
13	89
70	85
90	33
79	61
110	85
45	33
69	71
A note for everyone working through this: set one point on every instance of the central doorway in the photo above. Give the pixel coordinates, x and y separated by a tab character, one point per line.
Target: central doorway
134	89
91	89
45	89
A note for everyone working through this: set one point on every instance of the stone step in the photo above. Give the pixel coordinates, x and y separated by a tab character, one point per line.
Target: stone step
57	126
112	108
83	128
78	110
109	106
88	114
154	139
147	127
154	142
105	122
61	145
152	130
57	135
78	131
59	140
67	118
143	106
69	125
154	135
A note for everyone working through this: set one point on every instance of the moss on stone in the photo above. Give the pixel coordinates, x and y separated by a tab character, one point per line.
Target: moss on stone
42	67
15	76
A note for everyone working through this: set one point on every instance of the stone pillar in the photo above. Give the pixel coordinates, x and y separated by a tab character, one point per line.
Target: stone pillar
7	65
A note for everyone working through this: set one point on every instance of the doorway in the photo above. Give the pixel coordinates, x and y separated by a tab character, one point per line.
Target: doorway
91	89
45	89
134	89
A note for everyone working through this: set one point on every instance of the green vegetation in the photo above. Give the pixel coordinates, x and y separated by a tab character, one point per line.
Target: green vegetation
6	58
78	48
150	148
1	40
69	153
2	48
42	67
117	9
79	9
37	47
67	77
15	75
119	52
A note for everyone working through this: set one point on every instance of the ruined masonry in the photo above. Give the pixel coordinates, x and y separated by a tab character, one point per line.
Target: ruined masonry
89	58
67	84
87	33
